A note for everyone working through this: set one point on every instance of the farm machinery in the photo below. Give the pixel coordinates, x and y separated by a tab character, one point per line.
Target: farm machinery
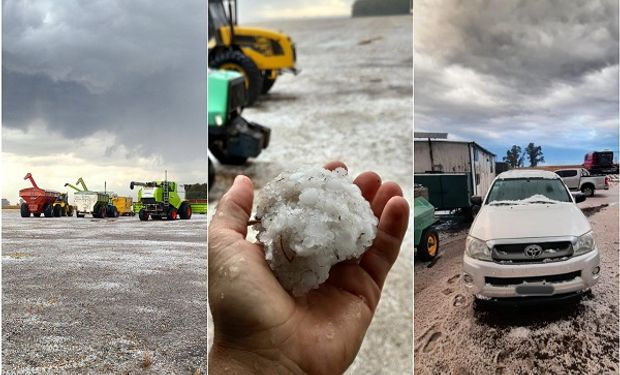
161	199
123	205
425	236
37	201
93	203
260	55
232	139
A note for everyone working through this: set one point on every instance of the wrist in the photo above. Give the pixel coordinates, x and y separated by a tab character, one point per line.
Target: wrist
224	359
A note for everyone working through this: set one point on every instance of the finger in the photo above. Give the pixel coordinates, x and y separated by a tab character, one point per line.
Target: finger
383	195
235	207
392	227
369	183
332	165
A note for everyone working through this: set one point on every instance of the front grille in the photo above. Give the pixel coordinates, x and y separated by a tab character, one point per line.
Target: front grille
515	253
505	281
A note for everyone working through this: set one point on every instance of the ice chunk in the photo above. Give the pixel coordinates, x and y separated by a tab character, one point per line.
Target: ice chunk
310	220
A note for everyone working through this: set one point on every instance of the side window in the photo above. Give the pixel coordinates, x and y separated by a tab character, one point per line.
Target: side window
561	173
571	173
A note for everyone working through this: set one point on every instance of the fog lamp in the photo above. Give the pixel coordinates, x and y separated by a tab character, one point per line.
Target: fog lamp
468	279
596	270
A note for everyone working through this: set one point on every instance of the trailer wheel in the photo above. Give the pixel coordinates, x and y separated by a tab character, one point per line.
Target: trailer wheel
48	211
102	212
24	211
143	215
172	213
57	211
429	244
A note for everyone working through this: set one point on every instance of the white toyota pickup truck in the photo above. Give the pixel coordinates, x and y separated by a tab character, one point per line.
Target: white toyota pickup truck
529	240
580	179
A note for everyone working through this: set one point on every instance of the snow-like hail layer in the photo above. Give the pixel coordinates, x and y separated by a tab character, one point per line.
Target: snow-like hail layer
310	220
537	198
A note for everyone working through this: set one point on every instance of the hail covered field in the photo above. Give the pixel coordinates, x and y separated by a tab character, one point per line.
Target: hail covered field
352	101
104	296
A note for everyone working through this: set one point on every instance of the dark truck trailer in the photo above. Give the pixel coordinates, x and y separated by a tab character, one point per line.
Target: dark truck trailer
600	162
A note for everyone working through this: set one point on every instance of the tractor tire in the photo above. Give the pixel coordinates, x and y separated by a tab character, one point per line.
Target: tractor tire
588	190
37	214
69	211
57	211
172	213
112	211
429	244
143	215
102	212
238	62
24	211
267	82
48	211
185	211
211	171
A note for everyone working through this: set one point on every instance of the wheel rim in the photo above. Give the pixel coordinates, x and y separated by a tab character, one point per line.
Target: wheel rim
431	245
173	215
236	68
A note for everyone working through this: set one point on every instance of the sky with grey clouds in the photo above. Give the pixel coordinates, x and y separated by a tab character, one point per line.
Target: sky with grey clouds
513	72
109	88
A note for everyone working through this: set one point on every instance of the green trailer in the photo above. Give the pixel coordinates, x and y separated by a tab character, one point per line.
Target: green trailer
425	236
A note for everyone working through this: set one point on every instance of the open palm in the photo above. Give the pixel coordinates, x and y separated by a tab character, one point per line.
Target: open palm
261	328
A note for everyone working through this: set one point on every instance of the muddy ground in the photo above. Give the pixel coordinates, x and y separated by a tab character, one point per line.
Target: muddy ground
452	338
353	101
111	296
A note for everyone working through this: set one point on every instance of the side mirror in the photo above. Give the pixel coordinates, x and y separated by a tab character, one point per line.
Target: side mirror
131	185
475	210
579	197
476	200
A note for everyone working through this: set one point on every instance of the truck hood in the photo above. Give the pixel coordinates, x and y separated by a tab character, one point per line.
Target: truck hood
529	220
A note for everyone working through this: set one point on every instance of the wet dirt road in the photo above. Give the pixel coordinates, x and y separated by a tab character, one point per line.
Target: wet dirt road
452	338
353	102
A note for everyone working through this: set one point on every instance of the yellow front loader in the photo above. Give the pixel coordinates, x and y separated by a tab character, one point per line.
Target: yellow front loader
260	55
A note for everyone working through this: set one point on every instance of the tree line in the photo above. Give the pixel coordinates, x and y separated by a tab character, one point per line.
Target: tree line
516	158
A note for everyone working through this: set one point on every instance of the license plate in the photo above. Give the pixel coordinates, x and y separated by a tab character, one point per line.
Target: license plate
538	290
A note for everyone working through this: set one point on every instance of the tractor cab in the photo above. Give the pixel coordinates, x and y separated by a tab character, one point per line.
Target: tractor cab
259	54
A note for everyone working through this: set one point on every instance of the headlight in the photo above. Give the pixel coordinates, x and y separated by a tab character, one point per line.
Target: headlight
218	120
584	244
477	249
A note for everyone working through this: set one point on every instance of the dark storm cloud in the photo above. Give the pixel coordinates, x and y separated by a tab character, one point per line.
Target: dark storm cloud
134	69
506	72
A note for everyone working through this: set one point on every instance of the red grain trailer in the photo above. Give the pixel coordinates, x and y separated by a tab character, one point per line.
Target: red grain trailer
37	201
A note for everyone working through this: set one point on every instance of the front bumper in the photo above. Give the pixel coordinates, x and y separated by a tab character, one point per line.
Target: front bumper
492	280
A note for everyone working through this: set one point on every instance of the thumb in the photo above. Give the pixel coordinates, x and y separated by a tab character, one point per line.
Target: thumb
235	207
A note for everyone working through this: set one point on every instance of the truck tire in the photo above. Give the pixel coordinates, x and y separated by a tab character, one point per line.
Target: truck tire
185	211
429	244
211	171
57	211
143	215
238	62
48	211
267	82
588	190
24	211
172	213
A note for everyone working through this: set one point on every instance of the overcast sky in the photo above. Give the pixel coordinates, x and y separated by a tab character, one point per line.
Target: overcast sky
513	72
109	90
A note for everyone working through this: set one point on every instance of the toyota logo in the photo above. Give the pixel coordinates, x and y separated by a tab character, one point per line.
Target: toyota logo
533	251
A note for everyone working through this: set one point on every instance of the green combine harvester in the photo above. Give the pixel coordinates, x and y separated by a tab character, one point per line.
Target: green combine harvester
232	139
161	199
90	202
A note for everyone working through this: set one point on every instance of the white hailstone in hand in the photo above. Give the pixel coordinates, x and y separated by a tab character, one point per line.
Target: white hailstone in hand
308	221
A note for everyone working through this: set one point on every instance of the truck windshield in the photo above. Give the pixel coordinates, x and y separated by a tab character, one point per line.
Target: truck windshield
528	190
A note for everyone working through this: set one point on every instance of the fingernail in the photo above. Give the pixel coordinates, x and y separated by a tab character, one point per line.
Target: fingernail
238	179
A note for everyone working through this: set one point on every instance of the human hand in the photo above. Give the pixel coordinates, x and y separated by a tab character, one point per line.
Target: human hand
259	327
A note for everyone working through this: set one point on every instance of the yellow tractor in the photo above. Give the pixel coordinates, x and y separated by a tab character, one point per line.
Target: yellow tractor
260	55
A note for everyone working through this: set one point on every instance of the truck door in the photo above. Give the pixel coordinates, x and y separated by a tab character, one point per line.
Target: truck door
571	178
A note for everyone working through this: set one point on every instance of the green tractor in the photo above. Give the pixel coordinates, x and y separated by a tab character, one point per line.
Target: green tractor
232	139
425	236
162	199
